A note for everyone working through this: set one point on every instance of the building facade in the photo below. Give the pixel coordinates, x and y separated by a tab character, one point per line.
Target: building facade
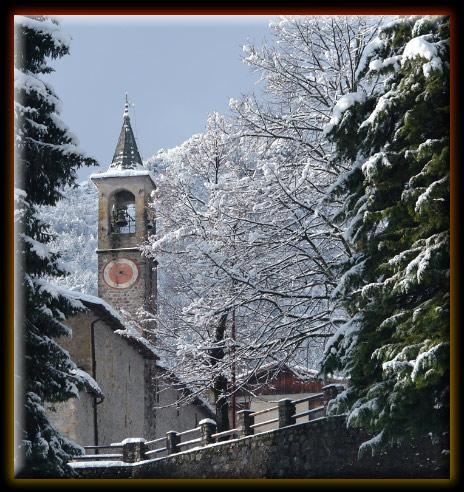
121	397
119	362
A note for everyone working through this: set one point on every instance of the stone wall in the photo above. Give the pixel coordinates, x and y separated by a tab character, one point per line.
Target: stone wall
112	246
79	344
322	448
140	295
74	418
177	418
128	380
125	378
140	187
120	374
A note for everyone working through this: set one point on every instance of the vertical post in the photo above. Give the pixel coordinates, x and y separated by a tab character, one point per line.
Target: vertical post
207	429
286	412
172	442
94	376
232	397
133	449
330	392
314	403
245	421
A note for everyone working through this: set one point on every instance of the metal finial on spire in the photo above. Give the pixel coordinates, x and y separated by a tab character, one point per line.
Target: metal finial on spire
126	106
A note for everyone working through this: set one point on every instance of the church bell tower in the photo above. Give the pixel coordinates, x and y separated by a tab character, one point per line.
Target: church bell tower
126	279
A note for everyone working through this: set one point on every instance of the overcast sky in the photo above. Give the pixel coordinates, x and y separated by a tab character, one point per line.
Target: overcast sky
176	70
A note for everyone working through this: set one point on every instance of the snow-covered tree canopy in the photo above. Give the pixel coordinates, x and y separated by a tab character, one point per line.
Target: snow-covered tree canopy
40	133
46	157
243	234
313	61
395	346
313	223
73	225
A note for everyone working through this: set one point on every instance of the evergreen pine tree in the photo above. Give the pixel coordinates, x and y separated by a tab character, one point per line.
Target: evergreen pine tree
395	287
46	156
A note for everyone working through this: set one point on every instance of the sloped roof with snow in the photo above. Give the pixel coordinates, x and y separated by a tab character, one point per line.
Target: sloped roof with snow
126	159
133	338
126	155
112	318
282	378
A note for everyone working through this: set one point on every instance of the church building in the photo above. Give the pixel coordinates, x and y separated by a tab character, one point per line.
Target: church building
118	361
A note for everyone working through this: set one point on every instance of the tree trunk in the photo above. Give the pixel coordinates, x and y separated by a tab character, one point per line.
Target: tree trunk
222	405
220	389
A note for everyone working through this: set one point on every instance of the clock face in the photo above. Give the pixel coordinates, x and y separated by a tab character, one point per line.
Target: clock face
121	273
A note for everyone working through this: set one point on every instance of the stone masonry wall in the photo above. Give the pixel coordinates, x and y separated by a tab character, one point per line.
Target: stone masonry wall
139	295
129	382
74	418
120	374
79	344
323	448
140	187
178	418
112	246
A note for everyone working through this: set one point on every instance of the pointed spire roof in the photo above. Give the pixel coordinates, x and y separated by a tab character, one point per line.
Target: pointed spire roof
126	155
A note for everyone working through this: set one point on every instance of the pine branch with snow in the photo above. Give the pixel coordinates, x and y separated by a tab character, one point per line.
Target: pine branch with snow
46	157
395	348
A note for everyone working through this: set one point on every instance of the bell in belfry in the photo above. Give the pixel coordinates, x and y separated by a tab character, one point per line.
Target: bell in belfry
121	217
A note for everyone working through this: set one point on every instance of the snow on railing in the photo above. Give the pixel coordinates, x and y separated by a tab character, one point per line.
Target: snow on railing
98	456
155	451
137	449
231	432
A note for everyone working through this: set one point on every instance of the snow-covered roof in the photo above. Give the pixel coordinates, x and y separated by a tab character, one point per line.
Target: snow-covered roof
270	374
126	155
299	372
117	173
113	319
126	159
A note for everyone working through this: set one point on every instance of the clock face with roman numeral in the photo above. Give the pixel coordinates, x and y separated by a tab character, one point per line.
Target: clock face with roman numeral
121	273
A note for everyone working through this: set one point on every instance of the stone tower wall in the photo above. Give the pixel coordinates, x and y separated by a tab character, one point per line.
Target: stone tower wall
112	246
140	295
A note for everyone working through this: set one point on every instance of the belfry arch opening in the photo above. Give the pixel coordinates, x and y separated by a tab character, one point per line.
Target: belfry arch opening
122	212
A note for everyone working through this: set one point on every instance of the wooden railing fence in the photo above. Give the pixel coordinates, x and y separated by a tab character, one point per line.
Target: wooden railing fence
137	449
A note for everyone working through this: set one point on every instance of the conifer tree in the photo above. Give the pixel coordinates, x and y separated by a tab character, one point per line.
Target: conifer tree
46	156
395	287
